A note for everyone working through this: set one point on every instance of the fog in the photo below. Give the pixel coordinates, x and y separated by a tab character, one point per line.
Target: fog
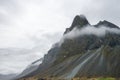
89	30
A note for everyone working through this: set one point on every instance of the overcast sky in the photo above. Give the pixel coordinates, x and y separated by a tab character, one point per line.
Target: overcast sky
40	23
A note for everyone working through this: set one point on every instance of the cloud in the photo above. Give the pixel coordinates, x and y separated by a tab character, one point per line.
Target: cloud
89	30
44	41
15	60
32	17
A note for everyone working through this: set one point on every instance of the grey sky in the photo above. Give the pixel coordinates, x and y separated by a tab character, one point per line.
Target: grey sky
37	24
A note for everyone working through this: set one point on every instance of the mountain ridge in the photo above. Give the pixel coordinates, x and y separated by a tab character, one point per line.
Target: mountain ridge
82	56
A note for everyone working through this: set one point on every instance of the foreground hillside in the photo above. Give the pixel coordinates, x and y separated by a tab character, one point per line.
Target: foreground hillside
86	52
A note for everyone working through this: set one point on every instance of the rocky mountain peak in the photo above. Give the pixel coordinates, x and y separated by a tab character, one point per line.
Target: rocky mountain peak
107	24
79	21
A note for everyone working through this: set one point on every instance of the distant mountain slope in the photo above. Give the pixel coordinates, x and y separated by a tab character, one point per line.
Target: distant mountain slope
84	51
32	67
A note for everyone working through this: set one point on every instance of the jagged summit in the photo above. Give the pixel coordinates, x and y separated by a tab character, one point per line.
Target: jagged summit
107	24
79	21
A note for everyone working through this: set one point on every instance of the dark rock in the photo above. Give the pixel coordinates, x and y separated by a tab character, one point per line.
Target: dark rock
107	24
79	21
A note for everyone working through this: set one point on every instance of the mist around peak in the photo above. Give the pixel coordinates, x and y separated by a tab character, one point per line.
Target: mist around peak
100	31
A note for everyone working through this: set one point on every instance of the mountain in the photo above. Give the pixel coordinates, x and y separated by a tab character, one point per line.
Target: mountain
84	51
32	67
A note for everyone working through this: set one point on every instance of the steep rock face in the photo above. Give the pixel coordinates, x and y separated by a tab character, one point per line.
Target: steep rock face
83	56
79	21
